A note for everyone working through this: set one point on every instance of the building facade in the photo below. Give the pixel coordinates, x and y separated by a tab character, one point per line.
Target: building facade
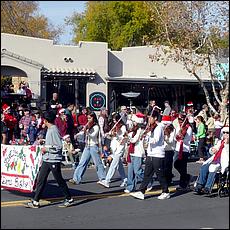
92	75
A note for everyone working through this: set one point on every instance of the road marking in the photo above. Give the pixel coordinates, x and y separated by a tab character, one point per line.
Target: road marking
77	198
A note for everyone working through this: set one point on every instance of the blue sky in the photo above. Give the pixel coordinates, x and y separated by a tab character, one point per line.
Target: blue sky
56	11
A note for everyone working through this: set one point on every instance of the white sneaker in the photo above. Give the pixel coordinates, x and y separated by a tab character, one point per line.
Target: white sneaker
164	196
138	195
104	183
124	183
126	191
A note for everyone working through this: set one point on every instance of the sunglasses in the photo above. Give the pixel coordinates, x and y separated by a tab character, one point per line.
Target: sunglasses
225	132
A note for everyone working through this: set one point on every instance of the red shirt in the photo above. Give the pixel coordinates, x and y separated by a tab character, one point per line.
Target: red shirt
82	119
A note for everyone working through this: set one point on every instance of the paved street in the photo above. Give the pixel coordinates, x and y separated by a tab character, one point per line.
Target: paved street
100	208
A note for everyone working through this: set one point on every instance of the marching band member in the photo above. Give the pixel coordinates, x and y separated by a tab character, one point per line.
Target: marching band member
155	159
91	149
169	145
136	153
117	146
182	151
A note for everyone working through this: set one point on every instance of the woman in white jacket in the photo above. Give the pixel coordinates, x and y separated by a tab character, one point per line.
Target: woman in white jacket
218	161
117	146
91	131
136	153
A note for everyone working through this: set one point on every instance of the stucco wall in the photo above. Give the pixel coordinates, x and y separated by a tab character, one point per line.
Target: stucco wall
85	55
136	63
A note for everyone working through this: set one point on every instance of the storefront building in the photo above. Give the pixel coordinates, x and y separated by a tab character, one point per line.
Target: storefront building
90	74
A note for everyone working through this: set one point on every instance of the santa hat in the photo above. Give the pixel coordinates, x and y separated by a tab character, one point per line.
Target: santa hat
190	103
66	136
166	119
5	107
225	129
138	118
61	110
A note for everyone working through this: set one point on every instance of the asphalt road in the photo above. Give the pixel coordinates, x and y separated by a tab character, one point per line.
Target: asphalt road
97	207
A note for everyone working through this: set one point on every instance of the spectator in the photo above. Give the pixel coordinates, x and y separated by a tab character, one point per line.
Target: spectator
10	122
61	122
123	114
24	123
218	125
211	123
167	109
219	160
69	149
4	130
54	103
82	118
203	112
201	136
32	131
70	122
151	105
21	89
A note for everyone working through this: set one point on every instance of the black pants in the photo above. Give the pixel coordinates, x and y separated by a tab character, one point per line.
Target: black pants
181	167
154	165
42	179
201	147
169	165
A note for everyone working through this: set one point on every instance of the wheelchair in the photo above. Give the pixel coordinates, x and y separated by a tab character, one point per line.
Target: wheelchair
220	185
223	183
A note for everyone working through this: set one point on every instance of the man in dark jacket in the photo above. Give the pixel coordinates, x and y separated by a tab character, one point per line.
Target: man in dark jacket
70	122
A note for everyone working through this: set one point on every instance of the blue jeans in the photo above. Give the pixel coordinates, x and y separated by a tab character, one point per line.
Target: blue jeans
206	179
116	164
89	151
135	173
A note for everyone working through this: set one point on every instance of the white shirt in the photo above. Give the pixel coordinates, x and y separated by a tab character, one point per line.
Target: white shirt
139	150
156	143
170	143
115	145
92	136
186	141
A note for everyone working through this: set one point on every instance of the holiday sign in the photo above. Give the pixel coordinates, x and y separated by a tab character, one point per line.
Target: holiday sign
20	166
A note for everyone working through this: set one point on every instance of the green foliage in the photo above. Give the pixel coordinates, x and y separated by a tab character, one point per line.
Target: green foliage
23	18
120	23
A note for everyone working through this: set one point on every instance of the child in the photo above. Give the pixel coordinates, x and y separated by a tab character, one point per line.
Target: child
105	156
32	131
69	149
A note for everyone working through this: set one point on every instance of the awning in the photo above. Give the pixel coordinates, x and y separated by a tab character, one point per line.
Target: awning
68	71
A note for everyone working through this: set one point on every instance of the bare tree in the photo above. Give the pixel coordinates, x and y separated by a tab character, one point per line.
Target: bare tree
192	33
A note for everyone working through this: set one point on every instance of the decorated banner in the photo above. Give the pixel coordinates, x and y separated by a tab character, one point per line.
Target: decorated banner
20	166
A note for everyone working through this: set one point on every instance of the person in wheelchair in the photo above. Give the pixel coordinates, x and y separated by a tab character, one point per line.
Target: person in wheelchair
219	161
